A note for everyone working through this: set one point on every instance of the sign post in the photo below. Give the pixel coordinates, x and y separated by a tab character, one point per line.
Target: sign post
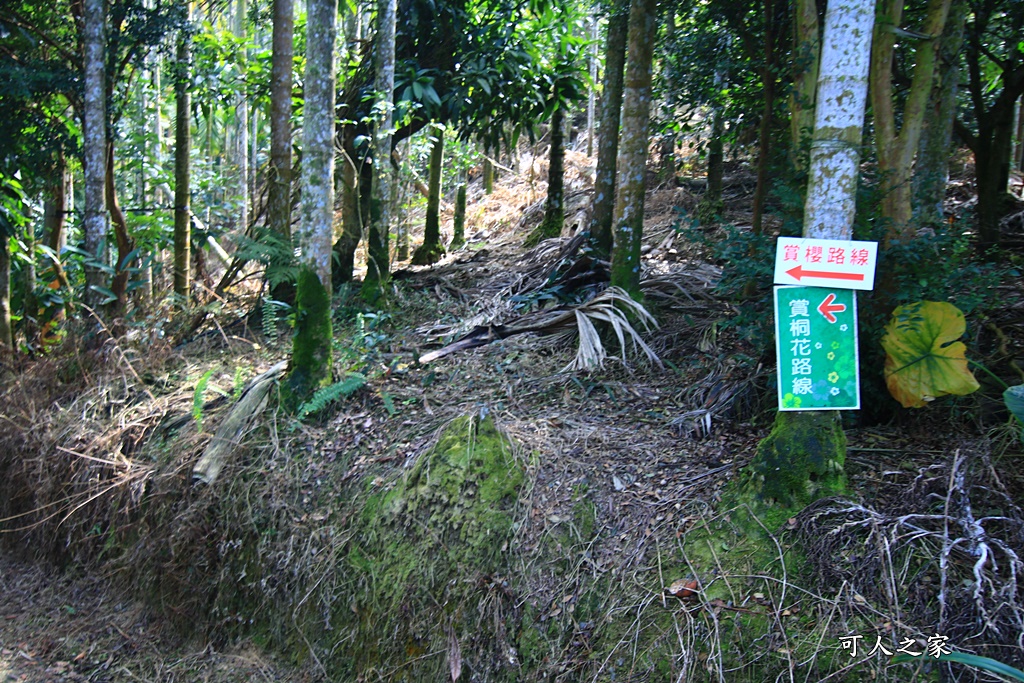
816	320
816	347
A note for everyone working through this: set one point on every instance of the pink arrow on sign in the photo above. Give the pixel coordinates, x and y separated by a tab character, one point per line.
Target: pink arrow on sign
799	272
827	308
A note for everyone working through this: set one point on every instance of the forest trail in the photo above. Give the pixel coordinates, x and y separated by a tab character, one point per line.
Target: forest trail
58	628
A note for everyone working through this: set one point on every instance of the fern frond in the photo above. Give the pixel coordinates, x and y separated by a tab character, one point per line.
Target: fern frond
346	387
198	398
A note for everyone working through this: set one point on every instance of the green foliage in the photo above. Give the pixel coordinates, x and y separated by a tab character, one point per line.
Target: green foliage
273	251
923	359
199	398
978	662
353	382
747	261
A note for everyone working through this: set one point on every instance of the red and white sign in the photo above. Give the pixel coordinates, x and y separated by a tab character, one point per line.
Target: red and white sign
825	263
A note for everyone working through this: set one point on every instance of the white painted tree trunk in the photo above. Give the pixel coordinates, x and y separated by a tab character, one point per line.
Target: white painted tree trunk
839	119
94	143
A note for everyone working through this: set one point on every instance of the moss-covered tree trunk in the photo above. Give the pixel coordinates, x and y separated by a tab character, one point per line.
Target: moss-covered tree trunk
806	54
897	147
182	147
932	173
279	181
554	206
459	220
310	366
432	250
379	251
94	145
628	219
802	459
488	176
603	207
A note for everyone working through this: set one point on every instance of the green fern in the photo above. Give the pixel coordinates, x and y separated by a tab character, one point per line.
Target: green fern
198	398
268	315
346	387
237	385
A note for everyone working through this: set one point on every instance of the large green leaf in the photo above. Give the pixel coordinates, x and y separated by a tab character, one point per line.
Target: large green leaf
923	358
1014	400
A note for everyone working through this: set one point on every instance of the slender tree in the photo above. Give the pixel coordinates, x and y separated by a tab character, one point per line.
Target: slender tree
806	54
897	145
94	144
932	173
459	219
608	142
432	250
812	442
310	366
279	201
242	119
554	206
631	167
182	170
378	246
995	65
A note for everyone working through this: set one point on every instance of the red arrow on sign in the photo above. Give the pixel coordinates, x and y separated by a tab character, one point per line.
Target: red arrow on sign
799	272
827	308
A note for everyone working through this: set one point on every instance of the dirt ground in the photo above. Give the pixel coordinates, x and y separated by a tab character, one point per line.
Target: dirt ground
57	628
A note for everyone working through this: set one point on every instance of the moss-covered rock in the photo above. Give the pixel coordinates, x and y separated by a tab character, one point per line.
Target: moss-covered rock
428	565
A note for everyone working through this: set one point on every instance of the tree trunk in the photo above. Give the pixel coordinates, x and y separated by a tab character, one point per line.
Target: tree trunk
6	333
932	168
896	149
242	122
992	146
94	146
488	176
554	207
710	209
459	220
379	250
310	367
632	162
812	442
1018	155
591	92
30	307
54	212
351	224
432	250
182	173
125	244
279	200
806	54
608	143
768	81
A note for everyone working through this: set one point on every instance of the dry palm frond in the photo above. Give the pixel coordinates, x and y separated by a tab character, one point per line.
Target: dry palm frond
614	307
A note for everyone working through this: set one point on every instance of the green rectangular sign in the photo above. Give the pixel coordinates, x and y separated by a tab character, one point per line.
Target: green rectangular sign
816	348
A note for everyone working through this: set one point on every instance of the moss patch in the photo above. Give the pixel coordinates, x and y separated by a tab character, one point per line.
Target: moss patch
801	460
311	351
428	564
